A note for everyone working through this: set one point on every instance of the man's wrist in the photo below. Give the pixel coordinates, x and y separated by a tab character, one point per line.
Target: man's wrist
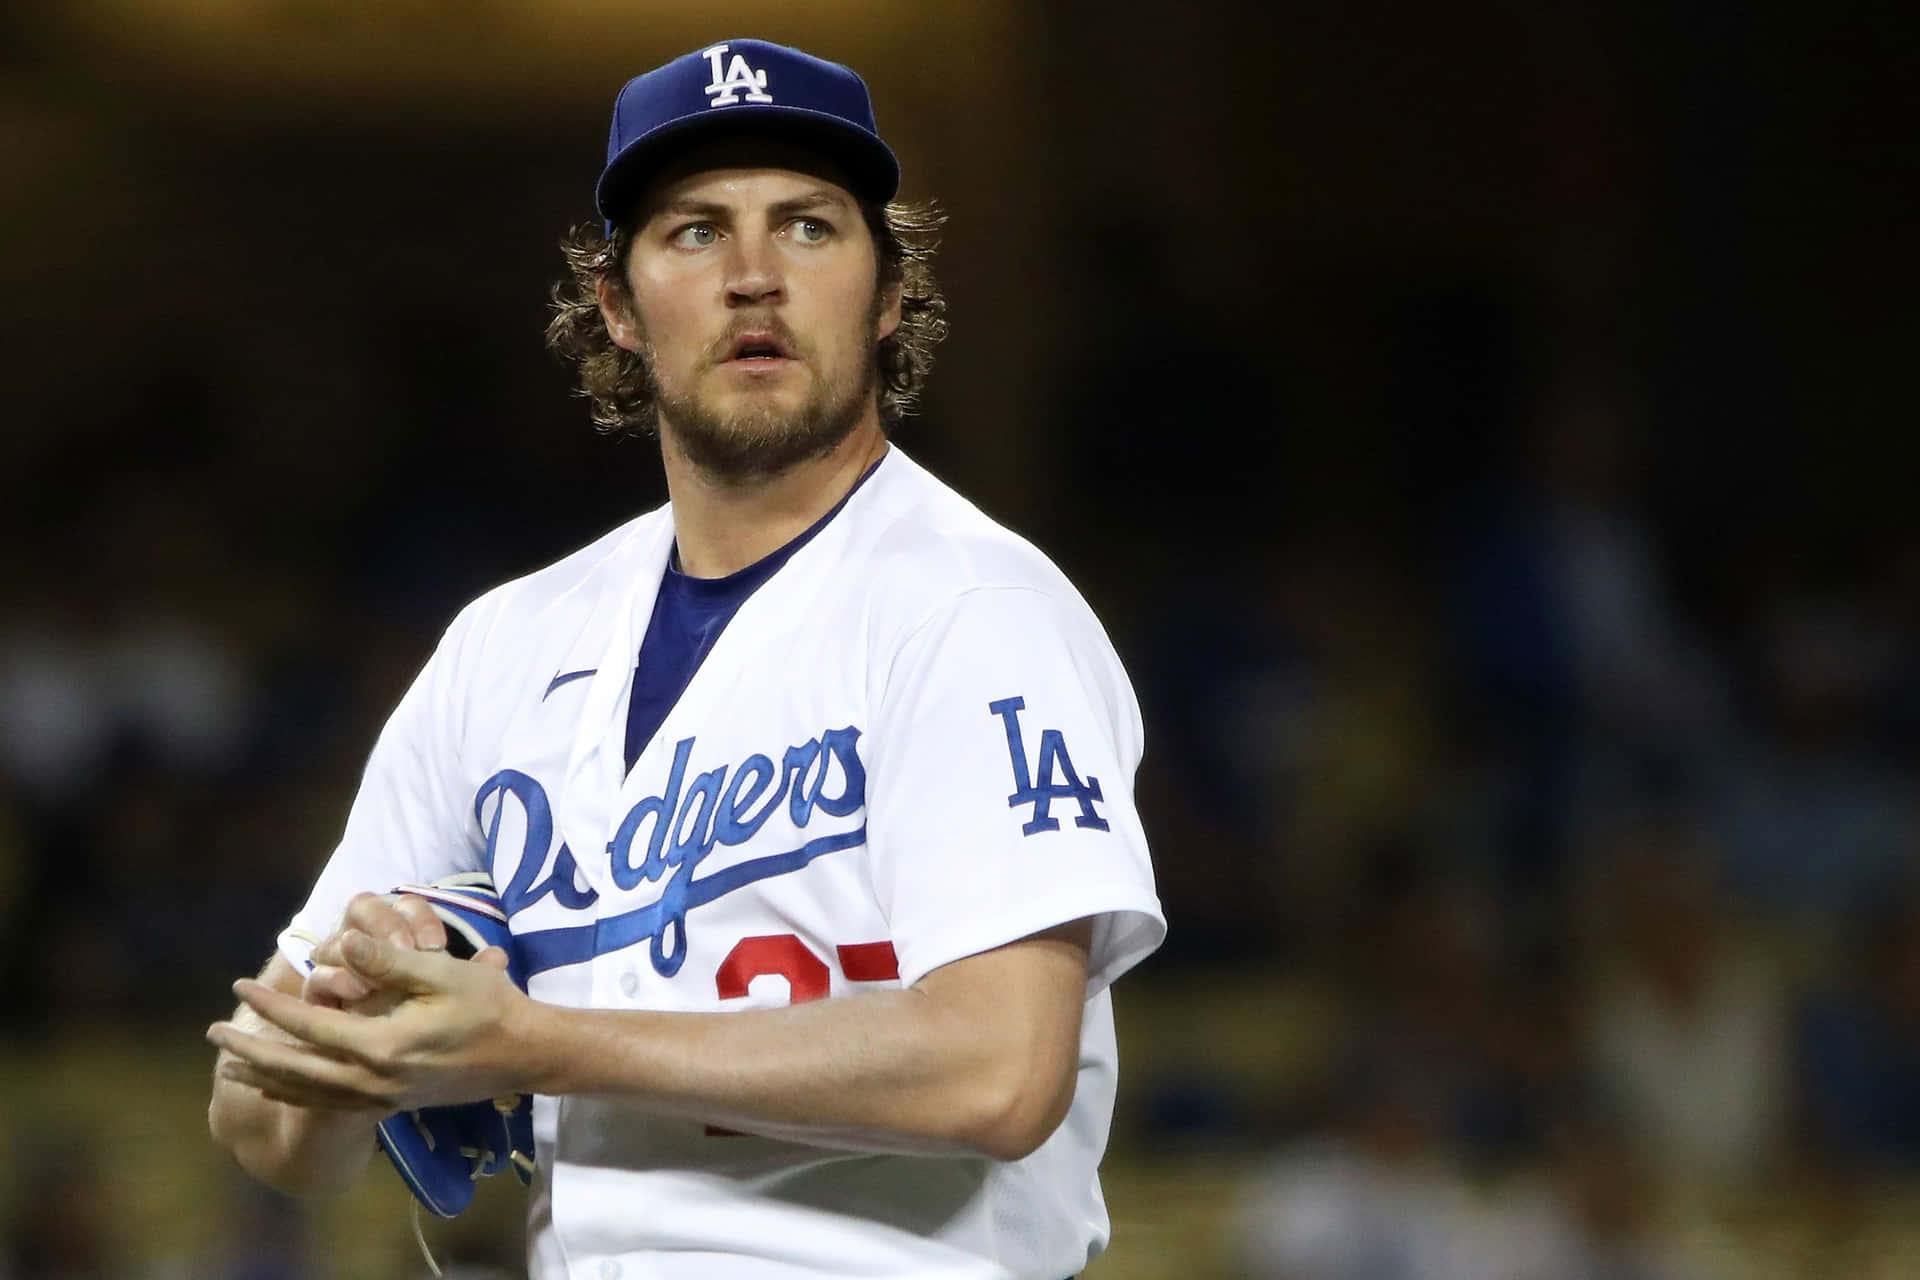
535	1032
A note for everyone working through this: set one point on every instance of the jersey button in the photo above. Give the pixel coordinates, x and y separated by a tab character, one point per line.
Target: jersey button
629	983
609	1269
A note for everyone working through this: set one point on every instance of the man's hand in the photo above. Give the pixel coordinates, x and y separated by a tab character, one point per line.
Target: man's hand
452	1033
408	922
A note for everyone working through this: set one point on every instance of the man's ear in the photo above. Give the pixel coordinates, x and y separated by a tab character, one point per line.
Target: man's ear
617	311
890	296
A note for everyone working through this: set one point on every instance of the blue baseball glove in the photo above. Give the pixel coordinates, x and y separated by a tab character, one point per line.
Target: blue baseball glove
443	1152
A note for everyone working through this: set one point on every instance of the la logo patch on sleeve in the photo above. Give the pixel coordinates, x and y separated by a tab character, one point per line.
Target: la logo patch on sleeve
1037	787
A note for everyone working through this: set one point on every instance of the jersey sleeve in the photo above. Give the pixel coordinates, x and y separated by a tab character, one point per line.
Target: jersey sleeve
1000	787
411	820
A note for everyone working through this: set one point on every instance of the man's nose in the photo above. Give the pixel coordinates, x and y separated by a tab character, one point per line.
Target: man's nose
754	276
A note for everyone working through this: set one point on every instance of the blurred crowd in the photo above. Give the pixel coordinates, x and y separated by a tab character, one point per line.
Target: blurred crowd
1609	874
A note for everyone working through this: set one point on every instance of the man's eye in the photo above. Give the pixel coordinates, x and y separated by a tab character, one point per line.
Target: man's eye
810	230
697	235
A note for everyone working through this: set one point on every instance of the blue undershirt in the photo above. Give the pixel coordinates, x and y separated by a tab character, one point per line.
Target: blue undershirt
688	616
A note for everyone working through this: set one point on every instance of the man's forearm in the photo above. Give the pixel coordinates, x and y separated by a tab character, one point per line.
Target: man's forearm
939	1070
873	1071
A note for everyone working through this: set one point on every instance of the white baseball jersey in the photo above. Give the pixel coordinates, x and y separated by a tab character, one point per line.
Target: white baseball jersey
912	743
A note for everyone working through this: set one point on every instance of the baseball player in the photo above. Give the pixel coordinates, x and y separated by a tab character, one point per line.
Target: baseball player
802	804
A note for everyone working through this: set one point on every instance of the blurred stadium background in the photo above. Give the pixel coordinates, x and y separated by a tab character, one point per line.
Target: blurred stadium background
1487	430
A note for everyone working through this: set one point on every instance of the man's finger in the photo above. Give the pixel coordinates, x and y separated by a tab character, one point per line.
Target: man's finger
394	968
380	915
296	1093
296	1066
429	930
328	953
404	920
348	1035
334	987
492	957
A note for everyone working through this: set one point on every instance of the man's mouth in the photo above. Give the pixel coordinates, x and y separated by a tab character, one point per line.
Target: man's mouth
758	347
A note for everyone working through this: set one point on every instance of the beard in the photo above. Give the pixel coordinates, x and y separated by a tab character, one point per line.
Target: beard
760	440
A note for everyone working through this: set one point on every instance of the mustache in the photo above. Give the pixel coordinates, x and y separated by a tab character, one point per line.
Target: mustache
722	347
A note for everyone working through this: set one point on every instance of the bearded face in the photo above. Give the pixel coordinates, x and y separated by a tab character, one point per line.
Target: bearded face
734	419
753	299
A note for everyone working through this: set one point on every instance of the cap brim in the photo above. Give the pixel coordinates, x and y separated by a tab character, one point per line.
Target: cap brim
870	166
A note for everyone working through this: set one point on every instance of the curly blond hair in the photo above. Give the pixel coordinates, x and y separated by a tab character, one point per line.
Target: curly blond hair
616	380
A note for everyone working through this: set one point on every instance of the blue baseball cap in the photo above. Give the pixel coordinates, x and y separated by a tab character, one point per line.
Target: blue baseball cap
743	86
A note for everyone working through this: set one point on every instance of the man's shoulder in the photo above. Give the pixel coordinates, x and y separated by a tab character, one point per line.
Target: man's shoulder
925	543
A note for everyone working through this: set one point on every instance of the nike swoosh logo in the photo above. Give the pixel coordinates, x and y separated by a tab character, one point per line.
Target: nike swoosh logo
567	678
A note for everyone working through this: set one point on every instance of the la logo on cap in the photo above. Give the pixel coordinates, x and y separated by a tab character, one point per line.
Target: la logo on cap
726	87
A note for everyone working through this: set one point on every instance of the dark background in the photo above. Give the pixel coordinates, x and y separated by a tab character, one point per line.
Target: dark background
1486	431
